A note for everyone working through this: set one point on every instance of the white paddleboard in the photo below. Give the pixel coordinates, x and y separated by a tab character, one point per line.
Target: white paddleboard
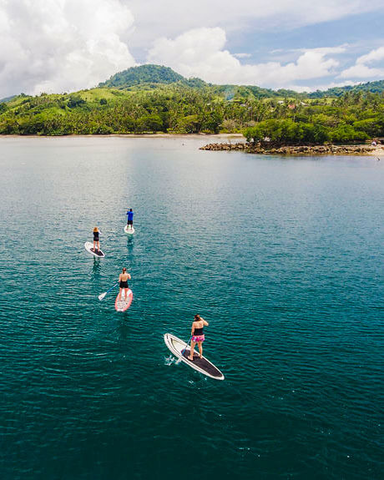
129	230
89	247
202	365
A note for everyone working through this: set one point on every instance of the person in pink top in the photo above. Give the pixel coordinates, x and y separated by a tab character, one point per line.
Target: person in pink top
197	335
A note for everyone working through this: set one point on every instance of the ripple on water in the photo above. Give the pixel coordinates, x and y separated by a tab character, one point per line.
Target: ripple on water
281	256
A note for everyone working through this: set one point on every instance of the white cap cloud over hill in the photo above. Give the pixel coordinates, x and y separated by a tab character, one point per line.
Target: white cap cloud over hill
61	45
201	53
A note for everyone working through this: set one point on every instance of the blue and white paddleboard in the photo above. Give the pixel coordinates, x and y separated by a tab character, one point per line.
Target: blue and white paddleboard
129	230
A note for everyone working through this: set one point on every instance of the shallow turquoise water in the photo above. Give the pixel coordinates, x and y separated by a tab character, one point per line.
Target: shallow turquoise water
284	258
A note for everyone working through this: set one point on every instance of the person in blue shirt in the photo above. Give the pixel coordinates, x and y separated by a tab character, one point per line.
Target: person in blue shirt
130	217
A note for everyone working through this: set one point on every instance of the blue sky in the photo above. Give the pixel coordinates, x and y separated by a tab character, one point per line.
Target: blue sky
67	45
363	31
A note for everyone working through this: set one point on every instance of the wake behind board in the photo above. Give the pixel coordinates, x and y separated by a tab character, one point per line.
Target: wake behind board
202	365
122	305
89	247
129	230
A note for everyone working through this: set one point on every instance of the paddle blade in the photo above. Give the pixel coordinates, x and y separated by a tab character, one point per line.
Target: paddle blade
100	297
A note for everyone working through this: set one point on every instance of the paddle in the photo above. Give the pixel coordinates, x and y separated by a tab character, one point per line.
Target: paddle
100	297
182	352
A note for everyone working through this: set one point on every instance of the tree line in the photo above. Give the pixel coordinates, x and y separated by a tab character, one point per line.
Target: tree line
353	117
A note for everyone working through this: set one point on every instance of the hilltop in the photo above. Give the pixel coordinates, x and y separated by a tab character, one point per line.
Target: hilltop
143	75
147	77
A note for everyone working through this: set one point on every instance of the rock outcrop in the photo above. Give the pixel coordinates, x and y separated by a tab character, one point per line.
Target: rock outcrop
296	149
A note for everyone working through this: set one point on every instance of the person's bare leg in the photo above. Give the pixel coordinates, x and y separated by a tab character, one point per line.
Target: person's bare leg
120	295
94	245
201	349
125	294
192	350
98	245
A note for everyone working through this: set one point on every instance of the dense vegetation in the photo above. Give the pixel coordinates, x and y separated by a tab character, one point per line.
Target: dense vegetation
152	99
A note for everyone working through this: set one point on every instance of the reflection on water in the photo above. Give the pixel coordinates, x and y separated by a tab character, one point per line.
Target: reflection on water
96	269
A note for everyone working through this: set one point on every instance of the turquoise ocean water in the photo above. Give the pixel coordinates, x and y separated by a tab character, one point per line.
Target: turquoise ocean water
283	256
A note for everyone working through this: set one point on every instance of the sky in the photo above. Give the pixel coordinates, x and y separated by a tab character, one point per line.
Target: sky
57	46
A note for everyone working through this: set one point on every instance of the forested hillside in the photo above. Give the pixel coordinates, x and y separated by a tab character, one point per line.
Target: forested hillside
370	87
151	99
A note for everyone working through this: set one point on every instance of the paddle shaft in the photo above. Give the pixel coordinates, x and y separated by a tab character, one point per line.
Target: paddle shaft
105	293
182	352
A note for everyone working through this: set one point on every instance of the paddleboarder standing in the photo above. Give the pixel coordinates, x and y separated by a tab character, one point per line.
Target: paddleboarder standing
130	218
96	239
197	334
123	283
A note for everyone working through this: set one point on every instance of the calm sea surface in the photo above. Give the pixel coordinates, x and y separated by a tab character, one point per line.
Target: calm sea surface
283	256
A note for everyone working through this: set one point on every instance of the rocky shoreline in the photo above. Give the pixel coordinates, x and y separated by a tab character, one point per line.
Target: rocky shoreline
296	149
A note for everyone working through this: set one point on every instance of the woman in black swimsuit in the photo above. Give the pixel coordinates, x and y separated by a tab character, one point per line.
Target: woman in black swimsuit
123	283
96	240
197	333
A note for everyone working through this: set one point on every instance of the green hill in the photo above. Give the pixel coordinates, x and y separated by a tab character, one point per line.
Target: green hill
7	99
144	74
369	87
146	77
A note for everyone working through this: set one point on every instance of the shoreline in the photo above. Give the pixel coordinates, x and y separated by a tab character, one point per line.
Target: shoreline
136	135
297	150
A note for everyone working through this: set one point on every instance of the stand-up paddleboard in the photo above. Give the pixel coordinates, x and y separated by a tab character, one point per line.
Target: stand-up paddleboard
129	230
202	365
122	305
97	253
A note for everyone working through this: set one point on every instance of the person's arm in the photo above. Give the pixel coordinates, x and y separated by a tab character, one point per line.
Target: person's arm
193	328
205	322
120	278
129	276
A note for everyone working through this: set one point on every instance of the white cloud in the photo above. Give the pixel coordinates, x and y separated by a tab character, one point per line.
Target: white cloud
328	50
372	56
65	45
61	45
361	69
201	53
157	18
242	55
